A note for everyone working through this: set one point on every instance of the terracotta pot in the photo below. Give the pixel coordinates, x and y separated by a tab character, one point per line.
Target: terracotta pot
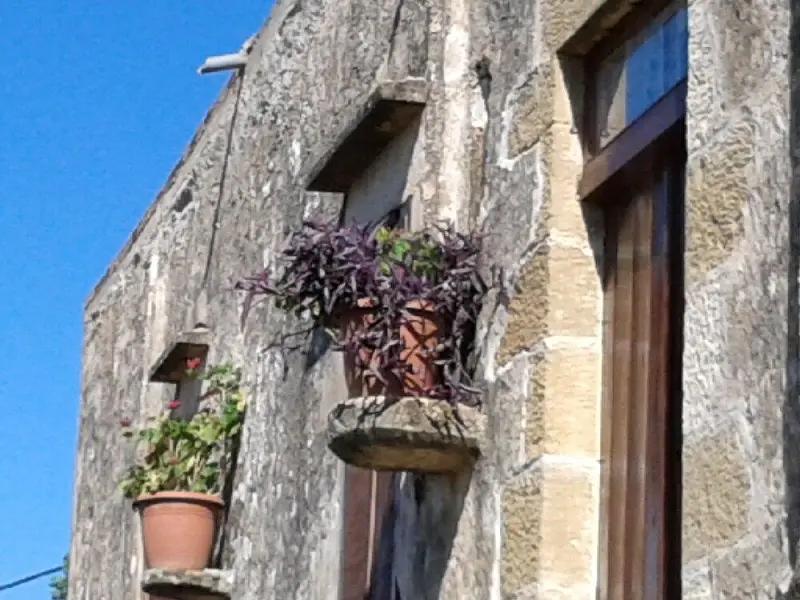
423	332
179	529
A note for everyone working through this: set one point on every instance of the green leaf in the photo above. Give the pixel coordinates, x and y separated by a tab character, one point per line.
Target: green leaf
399	250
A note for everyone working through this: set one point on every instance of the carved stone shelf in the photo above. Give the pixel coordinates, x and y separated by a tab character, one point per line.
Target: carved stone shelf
209	584
406	434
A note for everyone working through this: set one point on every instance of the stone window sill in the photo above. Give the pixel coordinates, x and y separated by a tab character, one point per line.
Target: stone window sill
406	434
209	584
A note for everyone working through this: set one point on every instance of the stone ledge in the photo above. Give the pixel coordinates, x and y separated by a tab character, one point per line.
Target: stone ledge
209	584
406	434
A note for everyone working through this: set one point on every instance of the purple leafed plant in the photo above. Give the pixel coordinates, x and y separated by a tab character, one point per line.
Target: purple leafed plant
327	269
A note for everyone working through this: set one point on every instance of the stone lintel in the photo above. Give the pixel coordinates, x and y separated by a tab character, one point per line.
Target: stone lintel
208	584
171	365
423	435
600	19
388	111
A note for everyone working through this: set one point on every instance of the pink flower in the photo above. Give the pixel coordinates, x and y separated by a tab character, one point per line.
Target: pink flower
125	422
193	363
173	405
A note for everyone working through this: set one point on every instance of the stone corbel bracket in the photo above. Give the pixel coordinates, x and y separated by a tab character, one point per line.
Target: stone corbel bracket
406	434
390	108
171	365
208	584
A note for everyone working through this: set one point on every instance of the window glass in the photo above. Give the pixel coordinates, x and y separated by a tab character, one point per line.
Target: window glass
640	73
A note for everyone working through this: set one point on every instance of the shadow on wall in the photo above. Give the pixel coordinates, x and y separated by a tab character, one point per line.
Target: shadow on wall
791	409
429	512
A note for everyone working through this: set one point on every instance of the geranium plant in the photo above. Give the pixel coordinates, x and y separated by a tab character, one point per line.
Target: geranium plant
190	455
327	270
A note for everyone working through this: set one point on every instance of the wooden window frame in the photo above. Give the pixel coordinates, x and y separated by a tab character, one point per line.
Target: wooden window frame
662	123
656	130
660	131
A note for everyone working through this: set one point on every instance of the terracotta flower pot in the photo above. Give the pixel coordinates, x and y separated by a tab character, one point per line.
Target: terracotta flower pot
179	529
422	333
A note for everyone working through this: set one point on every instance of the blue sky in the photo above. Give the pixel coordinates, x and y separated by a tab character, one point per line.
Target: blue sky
98	100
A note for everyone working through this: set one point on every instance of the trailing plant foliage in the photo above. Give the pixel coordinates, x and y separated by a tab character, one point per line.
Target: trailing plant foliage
190	455
60	583
326	270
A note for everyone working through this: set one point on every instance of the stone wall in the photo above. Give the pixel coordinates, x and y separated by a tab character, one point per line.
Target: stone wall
740	382
497	148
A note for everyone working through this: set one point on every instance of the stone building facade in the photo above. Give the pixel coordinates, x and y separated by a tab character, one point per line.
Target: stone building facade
642	432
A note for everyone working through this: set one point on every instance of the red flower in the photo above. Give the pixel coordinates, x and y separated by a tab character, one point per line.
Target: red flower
173	405
125	422
193	363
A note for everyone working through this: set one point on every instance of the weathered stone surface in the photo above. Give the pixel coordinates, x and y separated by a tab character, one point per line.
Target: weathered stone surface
549	531
209	584
755	568
717	492
406	434
740	335
498	147
718	182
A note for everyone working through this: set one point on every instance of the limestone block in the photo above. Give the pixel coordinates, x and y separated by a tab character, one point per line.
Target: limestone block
406	434
529	310
550	531
563	415
533	110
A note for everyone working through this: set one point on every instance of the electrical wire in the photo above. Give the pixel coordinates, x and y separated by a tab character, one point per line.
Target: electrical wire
29	578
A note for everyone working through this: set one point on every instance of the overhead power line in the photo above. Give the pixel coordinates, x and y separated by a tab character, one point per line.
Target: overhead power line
29	578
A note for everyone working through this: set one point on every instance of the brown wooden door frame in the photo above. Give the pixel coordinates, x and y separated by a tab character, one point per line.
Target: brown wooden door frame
640	523
368	497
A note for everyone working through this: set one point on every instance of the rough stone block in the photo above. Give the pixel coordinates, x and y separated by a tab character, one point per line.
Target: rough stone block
406	434
718	190
696	581
716	494
754	568
209	584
